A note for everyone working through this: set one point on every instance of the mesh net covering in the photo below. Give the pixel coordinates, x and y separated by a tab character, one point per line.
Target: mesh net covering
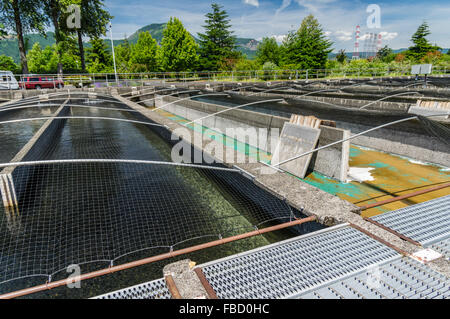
77	213
437	129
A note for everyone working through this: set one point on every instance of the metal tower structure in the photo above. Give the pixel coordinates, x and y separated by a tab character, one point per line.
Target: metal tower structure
356	49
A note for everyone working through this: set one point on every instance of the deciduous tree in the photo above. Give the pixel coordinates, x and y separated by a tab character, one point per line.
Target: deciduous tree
178	51
21	16
268	51
143	54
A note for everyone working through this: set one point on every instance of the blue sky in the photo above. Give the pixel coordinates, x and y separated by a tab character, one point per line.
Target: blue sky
259	18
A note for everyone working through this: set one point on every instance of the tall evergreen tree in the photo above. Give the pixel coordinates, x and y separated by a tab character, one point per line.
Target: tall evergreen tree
308	47
21	16
268	51
123	55
143	54
217	43
178	51
98	57
421	45
341	57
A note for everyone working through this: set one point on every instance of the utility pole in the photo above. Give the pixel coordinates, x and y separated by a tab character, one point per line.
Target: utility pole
114	56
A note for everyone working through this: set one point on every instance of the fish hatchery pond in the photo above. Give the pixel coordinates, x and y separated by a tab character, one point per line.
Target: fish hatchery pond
374	175
92	214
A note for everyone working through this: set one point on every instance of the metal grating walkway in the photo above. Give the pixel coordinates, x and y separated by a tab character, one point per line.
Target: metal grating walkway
426	222
156	289
442	247
287	268
402	278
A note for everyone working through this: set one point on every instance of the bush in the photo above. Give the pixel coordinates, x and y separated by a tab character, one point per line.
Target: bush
268	69
7	64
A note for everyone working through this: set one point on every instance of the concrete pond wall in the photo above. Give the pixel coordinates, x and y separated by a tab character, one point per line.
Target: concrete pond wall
410	139
332	162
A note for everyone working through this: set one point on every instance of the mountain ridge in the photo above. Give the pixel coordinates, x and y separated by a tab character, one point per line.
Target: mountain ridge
9	46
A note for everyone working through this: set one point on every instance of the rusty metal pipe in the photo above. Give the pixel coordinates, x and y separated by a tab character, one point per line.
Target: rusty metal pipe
205	283
172	287
381	240
398	198
406	238
149	260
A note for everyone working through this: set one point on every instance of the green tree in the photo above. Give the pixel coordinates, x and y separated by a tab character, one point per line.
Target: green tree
178	51
386	54
3	32
46	60
217	44
247	65
268	69
341	57
308	47
98	57
268	51
40	60
7	63
123	55
21	16
55	10
421	45
143	54
94	21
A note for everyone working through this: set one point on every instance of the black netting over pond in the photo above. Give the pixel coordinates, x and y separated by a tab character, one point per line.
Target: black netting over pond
76	213
103	213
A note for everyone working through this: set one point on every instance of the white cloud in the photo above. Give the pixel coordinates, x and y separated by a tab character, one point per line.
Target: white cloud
252	2
279	38
388	35
343	35
284	5
314	5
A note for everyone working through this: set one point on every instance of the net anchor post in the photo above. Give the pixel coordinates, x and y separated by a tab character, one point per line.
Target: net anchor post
9	199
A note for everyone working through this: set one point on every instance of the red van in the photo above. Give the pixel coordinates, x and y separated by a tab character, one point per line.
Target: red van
41	82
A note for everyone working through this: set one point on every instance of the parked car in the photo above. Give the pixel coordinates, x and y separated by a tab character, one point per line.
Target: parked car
41	82
8	81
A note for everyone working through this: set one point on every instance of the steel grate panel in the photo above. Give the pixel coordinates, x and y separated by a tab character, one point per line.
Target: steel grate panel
426	222
288	268
402	278
442	247
155	289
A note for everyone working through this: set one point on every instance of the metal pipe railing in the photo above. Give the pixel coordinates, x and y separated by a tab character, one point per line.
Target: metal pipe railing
401	197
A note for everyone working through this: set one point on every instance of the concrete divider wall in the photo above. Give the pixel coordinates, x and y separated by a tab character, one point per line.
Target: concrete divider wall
346	102
191	110
332	161
408	139
35	150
